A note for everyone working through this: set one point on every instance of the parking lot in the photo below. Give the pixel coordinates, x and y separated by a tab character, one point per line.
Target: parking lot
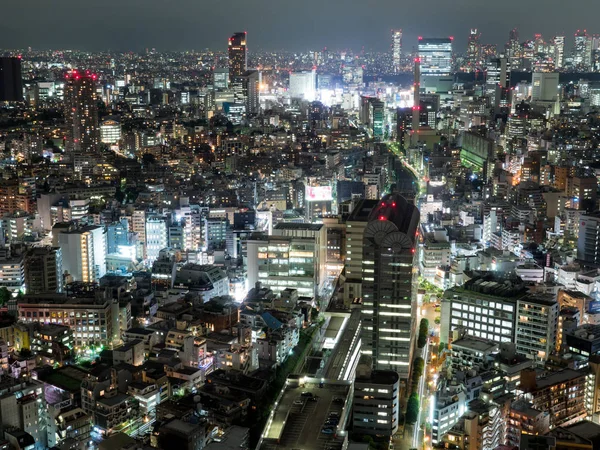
306	418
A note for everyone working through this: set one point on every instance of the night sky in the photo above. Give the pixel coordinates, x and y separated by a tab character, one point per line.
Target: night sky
280	24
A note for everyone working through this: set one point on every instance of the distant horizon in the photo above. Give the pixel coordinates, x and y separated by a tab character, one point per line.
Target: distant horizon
184	25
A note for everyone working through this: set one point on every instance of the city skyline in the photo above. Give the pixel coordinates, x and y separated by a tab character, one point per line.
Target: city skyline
296	27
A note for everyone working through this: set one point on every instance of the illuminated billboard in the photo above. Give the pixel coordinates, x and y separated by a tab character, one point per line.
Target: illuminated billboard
318	194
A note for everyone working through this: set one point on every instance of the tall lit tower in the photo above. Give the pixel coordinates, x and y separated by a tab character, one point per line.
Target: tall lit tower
474	50
11	80
238	55
81	112
583	50
559	51
388	284
396	49
416	110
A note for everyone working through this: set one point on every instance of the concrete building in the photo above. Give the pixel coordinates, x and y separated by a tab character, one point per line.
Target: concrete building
98	315
536	326
43	270
389	293
84	253
486	306
375	409
355	228
284	262
209	281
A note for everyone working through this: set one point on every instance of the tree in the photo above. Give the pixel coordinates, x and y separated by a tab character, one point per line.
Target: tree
148	158
4	296
423	332
418	367
412	408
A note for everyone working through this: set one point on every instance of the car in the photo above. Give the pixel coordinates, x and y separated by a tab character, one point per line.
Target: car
314	398
338	400
334	414
335	420
327	430
306	394
298	402
329	423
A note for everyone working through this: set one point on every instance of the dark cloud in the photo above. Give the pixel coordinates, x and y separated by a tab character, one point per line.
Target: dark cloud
277	24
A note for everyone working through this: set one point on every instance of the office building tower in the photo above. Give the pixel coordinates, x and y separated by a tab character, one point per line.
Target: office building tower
157	236
588	241
582	55
396	49
514	50
473	51
283	262
416	109
43	270
81	112
536	327
84	253
249	83
486	306
376	400
559	51
238	55
497	83
403	126
435	55
355	229
544	86
388	288
110	131
220	78
303	85
11	81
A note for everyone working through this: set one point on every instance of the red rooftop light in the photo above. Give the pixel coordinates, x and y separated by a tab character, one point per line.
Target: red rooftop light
381	218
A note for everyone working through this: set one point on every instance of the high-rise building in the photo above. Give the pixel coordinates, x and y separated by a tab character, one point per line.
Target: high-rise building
582	55
559	51
514	50
238	55
220	78
498	82
436	56
81	112
11	81
376	400
588	241
110	131
388	287
249	88
473	51
84	253
536	326
303	85
396	49
544	86
43	270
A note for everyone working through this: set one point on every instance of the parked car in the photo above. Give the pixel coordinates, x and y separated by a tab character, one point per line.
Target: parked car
306	394
327	430
298	402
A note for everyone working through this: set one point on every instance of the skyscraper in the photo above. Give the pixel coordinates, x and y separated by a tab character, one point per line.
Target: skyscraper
238	55
473	51
81	111
396	49
514	50
388	290
250	81
436	56
11	82
559	51
582	57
